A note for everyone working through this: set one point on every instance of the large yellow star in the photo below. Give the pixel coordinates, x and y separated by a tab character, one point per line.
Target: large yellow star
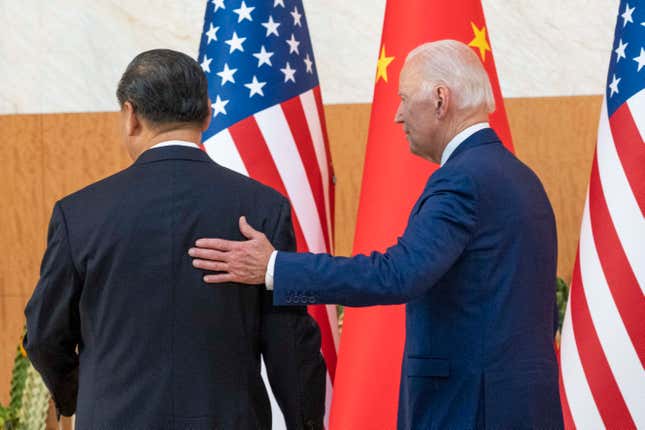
480	40
381	66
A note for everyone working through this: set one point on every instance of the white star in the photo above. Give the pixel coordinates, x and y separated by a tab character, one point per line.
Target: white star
627	15
288	73
308	64
620	51
235	43
271	26
614	86
263	57
643	23
219	4
278	2
243	12
640	59
219	106
211	33
255	87
296	17
227	74
206	64
293	45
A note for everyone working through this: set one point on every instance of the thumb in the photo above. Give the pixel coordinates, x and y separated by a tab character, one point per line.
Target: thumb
246	229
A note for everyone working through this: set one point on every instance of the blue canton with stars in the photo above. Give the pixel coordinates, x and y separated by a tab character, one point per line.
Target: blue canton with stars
255	53
626	75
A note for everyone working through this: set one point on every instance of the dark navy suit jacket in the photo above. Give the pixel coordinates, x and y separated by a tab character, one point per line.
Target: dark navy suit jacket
157	347
476	267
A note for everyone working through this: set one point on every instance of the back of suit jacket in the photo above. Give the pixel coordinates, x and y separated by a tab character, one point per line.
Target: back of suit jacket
157	347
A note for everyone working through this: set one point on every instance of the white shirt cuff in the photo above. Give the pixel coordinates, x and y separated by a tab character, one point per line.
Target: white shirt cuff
268	276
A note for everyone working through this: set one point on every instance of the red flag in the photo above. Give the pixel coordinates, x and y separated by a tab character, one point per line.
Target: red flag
367	377
602	382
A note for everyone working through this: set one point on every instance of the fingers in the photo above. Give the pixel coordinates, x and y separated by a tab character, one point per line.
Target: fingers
208	254
215	266
248	231
216	244
236	261
219	278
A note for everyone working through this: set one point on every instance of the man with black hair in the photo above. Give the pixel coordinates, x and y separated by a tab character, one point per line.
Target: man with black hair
122	329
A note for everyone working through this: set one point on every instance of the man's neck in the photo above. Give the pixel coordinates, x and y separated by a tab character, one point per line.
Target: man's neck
457	127
185	135
459	138
192	135
466	122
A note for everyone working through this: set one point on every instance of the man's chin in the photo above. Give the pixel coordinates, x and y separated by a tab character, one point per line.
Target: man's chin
413	149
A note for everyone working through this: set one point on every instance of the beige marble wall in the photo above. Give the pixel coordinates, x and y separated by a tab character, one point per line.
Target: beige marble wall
551	47
67	55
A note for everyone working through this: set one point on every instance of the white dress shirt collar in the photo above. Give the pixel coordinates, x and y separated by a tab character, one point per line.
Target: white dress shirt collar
176	143
459	138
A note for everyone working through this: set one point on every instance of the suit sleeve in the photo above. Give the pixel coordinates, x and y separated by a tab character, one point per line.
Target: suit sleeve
53	327
439	229
291	349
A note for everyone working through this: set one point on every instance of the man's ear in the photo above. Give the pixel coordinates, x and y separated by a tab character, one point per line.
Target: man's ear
442	100
132	121
207	120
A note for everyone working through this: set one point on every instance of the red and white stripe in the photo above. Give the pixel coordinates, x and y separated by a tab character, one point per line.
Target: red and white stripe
603	339
285	147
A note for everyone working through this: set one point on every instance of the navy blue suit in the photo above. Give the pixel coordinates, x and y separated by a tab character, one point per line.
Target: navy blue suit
158	349
476	267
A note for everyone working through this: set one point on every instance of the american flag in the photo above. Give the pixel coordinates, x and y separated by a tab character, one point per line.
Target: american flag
603	339
268	120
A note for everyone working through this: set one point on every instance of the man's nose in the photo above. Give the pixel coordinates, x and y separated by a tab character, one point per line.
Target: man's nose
398	116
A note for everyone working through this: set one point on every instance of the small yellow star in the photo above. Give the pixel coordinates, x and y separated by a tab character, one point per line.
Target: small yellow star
480	40
381	66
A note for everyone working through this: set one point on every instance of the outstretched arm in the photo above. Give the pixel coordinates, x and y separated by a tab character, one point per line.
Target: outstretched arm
439	229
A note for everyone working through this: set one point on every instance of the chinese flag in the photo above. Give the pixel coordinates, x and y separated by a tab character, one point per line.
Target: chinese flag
369	364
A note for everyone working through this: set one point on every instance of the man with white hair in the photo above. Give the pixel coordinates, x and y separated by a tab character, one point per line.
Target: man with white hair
476	265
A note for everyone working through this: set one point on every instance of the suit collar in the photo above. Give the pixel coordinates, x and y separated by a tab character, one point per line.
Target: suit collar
459	138
173	152
175	143
482	137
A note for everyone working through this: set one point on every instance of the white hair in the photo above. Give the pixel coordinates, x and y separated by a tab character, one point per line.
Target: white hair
455	65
